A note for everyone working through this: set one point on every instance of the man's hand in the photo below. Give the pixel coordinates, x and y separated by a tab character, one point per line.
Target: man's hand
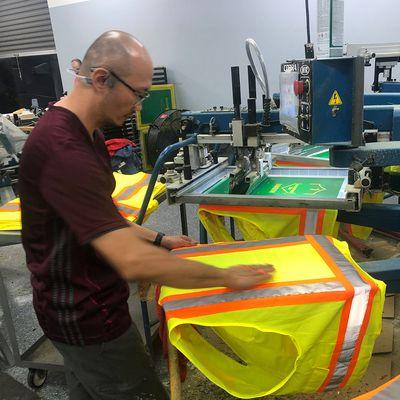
174	242
246	276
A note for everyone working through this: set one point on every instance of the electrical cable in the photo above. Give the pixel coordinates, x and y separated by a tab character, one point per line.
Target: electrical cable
263	81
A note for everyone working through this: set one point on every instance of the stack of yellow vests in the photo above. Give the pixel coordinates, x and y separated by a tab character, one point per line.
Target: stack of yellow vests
258	223
311	328
128	196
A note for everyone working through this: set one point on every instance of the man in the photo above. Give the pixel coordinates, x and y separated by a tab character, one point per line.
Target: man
79	249
76	65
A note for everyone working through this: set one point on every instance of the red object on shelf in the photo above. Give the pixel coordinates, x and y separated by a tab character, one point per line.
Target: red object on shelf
113	145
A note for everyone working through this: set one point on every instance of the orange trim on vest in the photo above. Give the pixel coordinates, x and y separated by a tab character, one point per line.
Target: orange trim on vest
344	319
349	229
247	304
117	203
135	211
320	221
302	213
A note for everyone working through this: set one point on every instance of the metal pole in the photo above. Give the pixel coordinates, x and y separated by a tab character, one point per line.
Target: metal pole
184	226
203	234
147	327
235	75
12	354
159	163
232	225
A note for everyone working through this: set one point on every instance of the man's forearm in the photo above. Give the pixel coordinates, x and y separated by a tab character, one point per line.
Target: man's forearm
136	259
143	233
158	266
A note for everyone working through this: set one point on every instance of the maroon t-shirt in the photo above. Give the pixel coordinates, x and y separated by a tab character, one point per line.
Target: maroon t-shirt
65	186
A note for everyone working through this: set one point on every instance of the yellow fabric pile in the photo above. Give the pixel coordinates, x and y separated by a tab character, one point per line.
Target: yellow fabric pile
128	196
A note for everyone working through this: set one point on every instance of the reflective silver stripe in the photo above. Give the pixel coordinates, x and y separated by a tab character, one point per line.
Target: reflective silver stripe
127	210
240	245
128	191
10	207
239	295
310	226
357	311
391	392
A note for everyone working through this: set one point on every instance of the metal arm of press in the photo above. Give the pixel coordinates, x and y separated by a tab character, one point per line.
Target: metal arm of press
157	167
387	56
153	179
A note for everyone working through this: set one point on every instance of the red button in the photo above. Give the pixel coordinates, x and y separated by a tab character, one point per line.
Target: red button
298	87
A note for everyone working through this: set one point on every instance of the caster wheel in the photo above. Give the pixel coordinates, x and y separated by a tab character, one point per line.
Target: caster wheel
36	377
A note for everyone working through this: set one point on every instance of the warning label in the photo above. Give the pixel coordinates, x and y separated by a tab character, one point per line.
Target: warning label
335	99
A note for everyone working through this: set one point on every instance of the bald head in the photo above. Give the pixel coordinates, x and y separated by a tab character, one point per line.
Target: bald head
118	51
116	74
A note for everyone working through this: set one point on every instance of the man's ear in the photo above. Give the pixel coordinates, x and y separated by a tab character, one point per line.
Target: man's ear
101	78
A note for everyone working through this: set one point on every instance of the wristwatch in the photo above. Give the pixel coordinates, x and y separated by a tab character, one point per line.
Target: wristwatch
157	240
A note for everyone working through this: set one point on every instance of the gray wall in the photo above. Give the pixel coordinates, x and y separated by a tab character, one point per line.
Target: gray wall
198	41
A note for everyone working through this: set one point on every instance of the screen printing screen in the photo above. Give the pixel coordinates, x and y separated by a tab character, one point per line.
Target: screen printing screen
288	186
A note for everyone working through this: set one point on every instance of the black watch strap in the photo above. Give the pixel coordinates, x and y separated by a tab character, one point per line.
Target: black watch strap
157	240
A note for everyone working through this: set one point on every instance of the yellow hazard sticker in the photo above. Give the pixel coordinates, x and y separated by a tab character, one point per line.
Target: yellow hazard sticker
335	99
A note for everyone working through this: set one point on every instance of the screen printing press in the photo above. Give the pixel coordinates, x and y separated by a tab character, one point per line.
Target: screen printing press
322	105
325	147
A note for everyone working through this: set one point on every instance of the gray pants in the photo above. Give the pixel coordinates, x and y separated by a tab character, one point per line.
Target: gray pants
117	370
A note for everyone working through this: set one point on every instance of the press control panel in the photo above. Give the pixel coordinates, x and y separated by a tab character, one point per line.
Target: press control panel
322	100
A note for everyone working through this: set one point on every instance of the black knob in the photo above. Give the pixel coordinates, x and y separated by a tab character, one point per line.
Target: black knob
307	86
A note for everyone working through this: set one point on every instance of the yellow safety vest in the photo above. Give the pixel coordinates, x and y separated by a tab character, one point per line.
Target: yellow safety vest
259	223
128	197
129	194
363	232
311	328
10	216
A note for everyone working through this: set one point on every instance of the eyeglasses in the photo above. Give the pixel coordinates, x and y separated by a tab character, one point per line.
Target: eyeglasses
140	95
72	71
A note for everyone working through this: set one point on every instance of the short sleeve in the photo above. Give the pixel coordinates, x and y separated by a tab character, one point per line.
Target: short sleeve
78	187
